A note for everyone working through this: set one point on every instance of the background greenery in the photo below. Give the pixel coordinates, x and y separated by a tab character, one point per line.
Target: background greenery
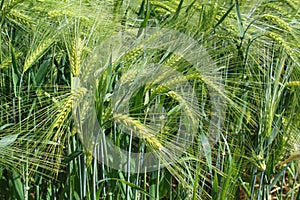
254	46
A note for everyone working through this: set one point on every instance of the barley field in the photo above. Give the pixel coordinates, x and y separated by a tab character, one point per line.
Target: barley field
150	99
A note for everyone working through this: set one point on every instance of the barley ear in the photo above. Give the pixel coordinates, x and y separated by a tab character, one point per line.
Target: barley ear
36	54
138	128
293	84
75	57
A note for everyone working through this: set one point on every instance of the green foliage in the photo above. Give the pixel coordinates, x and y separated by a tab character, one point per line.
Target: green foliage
240	56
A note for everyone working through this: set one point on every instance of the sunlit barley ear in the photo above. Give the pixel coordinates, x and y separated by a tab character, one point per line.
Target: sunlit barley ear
76	50
292	84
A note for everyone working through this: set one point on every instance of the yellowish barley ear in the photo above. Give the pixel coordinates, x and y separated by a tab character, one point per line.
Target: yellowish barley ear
172	60
20	18
6	8
58	13
162	5
138	128
75	58
66	108
133	55
166	85
281	41
279	22
277	8
187	107
293	84
7	62
36	54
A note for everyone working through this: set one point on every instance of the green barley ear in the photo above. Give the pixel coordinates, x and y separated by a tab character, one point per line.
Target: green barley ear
163	6
279	23
139	128
8	61
37	53
172	60
291	4
21	19
75	58
278	39
278	8
7	7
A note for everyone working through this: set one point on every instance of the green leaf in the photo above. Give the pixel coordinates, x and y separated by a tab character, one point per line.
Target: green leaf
5	126
215	191
18	185
207	150
72	156
42	72
8	140
223	17
239	18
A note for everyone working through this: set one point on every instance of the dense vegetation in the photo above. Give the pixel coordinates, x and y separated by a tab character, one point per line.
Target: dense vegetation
209	88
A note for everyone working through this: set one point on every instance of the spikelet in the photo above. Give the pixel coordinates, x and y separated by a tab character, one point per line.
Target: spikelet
6	8
165	86
138	128
130	75
161	10
174	58
37	53
65	109
133	55
277	8
229	15
277	21
197	6
7	62
293	84
57	13
162	5
281	42
20	18
75	57
225	36
291	4
186	106
68	13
